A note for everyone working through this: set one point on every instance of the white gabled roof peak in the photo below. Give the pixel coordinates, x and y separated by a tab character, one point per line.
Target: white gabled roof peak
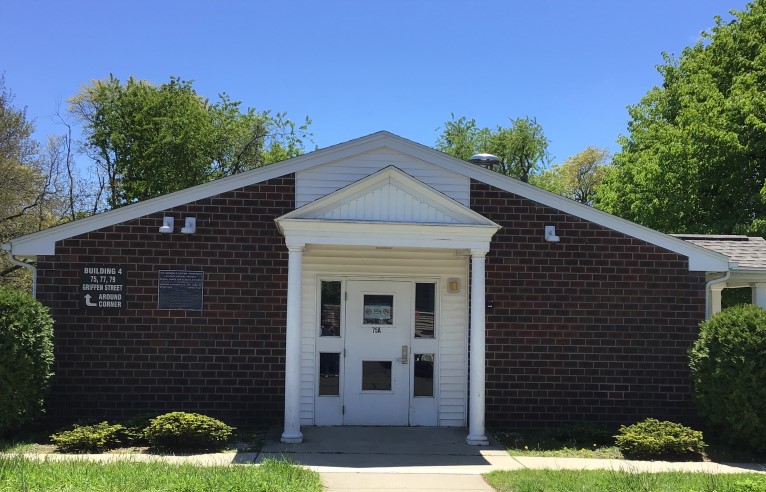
389	195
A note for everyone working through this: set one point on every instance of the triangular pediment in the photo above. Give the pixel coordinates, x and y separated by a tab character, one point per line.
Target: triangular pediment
392	196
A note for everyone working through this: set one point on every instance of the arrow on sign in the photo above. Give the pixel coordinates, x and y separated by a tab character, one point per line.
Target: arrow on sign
87	301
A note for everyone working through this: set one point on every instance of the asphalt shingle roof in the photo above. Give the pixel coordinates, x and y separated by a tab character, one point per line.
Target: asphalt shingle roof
748	252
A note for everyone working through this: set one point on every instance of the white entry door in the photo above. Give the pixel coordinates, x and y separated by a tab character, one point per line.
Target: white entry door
377	361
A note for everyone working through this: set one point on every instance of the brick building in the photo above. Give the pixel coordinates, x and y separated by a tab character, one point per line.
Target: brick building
375	282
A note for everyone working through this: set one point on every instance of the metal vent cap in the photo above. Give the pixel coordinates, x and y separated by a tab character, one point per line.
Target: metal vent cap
485	160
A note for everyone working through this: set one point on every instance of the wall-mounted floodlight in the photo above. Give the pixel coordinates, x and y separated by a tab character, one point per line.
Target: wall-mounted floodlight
167	225
550	234
190	226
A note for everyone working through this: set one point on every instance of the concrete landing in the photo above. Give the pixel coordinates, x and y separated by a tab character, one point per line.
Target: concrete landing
391	450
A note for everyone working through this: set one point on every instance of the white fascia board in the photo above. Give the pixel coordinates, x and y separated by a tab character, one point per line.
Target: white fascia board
700	259
44	242
299	232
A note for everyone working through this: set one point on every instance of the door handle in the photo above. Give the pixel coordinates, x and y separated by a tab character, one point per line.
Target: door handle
405	354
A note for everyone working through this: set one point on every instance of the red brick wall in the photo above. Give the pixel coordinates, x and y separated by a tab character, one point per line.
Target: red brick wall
226	361
593	328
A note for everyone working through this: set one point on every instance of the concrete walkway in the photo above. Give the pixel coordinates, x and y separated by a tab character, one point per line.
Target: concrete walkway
388	459
411	458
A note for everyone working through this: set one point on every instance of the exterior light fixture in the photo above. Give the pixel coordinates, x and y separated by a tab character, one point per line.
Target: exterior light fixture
489	161
167	225
453	285
550	234
190	225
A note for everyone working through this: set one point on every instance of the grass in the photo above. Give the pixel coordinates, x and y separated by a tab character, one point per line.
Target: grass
590	441
20	475
248	440
604	480
555	443
28	441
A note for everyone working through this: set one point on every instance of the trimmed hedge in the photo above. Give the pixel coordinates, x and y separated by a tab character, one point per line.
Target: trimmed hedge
134	429
728	367
26	358
182	431
89	438
655	440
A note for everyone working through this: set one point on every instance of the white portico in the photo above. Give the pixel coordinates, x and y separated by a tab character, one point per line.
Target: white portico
394	252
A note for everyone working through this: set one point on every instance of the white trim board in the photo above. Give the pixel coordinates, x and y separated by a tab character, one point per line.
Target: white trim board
43	242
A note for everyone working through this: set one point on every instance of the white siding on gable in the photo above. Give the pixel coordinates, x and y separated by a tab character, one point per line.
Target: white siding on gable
388	204
322	180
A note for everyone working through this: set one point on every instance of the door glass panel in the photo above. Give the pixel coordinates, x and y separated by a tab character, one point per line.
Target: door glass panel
425	305
330	318
376	375
378	309
424	375
329	374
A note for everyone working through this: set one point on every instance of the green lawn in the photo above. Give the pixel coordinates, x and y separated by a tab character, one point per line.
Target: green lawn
550	442
608	481
20	475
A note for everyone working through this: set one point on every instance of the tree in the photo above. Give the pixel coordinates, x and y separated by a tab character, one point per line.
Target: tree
694	159
578	177
26	191
522	147
461	138
40	184
148	140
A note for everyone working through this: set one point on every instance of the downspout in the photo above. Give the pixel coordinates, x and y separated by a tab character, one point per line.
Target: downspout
708	291
8	248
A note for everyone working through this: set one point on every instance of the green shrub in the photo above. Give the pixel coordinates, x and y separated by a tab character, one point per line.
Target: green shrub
181	431
653	439
89	438
728	366
134	429
26	358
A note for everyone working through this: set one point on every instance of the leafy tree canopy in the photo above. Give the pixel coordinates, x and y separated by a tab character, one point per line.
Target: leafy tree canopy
694	158
522	147
148	140
29	198
578	177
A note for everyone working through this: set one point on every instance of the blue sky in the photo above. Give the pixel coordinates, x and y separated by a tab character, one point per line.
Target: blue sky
356	67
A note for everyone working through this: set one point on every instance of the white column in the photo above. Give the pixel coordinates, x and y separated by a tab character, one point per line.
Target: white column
715	298
759	295
476	433
292	433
